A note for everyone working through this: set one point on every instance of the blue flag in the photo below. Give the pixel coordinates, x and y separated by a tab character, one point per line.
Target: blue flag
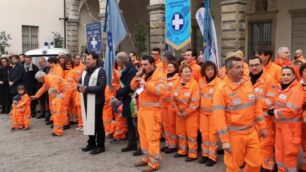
210	36
94	37
116	31
178	23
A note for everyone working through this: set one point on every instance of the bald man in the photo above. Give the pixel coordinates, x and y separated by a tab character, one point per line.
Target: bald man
299	56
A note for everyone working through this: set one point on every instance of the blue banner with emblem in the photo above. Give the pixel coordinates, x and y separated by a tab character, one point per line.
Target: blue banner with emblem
178	23
94	37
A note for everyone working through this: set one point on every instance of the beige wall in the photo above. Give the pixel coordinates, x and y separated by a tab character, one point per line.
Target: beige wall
283	26
45	14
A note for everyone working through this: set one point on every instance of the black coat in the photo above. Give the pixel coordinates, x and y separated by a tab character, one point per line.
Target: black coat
124	93
16	76
29	80
99	89
4	88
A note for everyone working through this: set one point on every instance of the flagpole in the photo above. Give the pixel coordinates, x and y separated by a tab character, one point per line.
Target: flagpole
129	34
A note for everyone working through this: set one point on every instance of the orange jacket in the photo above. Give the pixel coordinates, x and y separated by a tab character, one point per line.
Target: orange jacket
172	83
71	76
79	70
57	70
288	103
302	59
274	71
53	81
282	62
304	107
154	88
187	98
265	91
235	109
158	64
196	70
23	105
246	72
207	92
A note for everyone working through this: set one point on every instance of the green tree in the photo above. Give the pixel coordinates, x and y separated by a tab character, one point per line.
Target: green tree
140	37
58	40
4	41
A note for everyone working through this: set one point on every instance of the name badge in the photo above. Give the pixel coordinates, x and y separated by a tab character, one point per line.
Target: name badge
236	101
175	93
187	94
258	90
251	97
170	83
283	97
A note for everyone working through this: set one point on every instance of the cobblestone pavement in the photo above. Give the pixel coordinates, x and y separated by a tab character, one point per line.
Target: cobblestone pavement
36	150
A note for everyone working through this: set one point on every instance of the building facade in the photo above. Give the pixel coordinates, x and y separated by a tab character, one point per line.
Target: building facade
30	23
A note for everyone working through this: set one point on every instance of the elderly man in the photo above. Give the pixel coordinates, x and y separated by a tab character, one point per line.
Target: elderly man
124	93
283	57
92	86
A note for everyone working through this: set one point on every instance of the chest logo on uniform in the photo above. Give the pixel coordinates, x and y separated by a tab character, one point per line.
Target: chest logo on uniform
282	96
170	83
187	94
236	101
251	97
258	90
175	93
211	91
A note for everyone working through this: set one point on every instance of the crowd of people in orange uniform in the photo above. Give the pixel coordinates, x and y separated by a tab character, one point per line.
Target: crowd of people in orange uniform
252	108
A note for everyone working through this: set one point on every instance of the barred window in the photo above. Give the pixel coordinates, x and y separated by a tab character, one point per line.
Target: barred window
29	38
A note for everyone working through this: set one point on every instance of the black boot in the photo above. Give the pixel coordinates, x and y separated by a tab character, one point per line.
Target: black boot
97	150
88	148
203	160
66	127
138	152
129	148
163	149
210	163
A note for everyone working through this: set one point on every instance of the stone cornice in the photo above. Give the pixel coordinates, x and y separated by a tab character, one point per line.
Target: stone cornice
156	7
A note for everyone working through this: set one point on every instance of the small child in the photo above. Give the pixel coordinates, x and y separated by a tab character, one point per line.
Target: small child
21	110
121	124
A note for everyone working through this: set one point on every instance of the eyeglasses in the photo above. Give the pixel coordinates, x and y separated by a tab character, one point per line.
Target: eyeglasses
254	65
155	54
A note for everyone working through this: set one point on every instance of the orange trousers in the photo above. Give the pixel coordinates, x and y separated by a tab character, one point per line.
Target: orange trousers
120	127
267	145
304	145
66	100
169	124
149	129
58	115
187	132
74	106
209	136
245	148
107	119
287	141
20	119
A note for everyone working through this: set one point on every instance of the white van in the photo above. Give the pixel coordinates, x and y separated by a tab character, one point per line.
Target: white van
45	52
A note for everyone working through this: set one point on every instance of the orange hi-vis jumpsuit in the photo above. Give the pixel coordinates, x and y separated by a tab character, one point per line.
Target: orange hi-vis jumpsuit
302	59
288	113
303	143
159	64
21	113
149	116
79	70
265	91
74	105
236	112
121	125
274	71
57	113
207	125
57	70
62	86
246	72
187	102
196	70
168	114
108	113
287	62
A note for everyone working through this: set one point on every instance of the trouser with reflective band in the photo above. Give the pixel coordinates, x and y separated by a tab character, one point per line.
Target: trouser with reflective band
209	136
66	100
149	125
245	148
267	145
58	115
120	127
187	132
169	121
73	108
26	120
304	145
287	141
16	118
108	118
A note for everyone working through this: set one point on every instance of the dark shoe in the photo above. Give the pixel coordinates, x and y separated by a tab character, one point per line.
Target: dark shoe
13	129
220	152
97	150
49	122
26	128
210	163
140	163
88	148
129	148
203	160
33	115
162	139
148	169
55	135
190	159
72	122
66	127
138	152
164	149
40	116
170	150
51	126
177	155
